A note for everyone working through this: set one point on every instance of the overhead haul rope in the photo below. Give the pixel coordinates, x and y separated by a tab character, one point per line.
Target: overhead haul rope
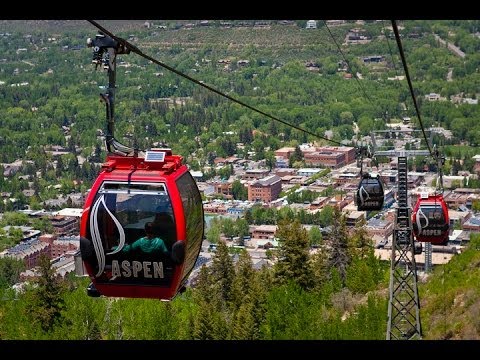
136	50
362	150
391	55
348	64
405	67
440	160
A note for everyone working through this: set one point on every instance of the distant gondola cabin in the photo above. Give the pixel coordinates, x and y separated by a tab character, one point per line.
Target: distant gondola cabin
430	219
370	193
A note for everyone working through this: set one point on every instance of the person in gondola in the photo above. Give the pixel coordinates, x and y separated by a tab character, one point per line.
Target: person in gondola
164	227
148	244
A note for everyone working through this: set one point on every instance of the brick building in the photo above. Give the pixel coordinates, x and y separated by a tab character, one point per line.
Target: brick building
319	203
263	231
266	189
329	159
332	157
64	225
224	189
462	197
381	228
472	224
348	151
285	172
346	178
59	247
340	202
215	208
285	152
354	218
29	251
454	200
255	174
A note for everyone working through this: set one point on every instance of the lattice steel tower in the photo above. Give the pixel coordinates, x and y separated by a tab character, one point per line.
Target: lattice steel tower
404	303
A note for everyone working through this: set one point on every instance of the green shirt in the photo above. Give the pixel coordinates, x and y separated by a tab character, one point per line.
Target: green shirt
147	245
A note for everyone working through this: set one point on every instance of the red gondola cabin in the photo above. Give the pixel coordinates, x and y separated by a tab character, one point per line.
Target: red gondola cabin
129	192
430	219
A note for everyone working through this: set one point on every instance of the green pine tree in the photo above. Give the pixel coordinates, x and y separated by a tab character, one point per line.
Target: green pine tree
359	277
244	326
203	284
222	273
361	243
319	262
203	325
10	270
249	299
59	168
293	263
339	254
244	279
221	326
45	300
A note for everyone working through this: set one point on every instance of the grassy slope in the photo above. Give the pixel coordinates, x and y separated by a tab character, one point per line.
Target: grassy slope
450	299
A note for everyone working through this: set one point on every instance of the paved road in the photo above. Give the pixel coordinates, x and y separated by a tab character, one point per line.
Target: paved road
451	47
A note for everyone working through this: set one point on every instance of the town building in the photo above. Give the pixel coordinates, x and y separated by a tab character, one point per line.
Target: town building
263	231
328	159
378	227
64	225
458	218
266	189
472	224
60	245
308	171
224	189
285	152
455	200
215	208
354	218
332	157
255	174
29	251
311	24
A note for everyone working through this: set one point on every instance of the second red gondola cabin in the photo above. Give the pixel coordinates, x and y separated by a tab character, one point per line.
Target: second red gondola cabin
430	219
